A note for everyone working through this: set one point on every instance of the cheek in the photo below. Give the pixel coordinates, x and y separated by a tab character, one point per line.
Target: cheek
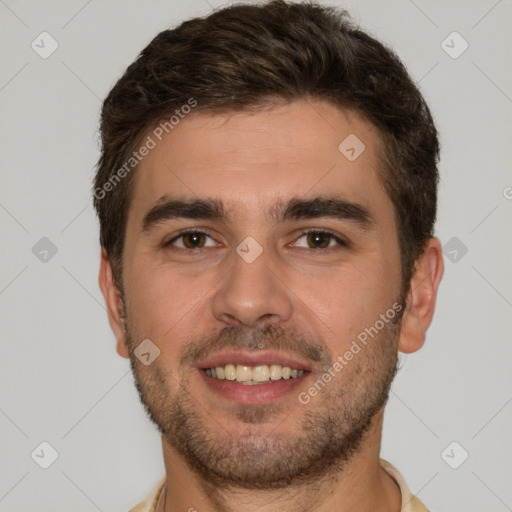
350	301
164	305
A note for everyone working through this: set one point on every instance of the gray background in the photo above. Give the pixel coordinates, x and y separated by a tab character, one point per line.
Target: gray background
62	381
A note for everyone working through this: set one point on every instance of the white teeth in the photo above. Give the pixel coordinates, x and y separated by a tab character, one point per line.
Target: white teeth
243	373
229	372
251	375
276	371
260	373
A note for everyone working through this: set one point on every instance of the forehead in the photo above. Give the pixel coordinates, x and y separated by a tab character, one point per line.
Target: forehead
254	159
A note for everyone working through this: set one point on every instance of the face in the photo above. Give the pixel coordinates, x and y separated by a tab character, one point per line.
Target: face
256	247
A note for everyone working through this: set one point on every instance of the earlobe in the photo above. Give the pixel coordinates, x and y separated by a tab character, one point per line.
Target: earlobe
114	304
421	300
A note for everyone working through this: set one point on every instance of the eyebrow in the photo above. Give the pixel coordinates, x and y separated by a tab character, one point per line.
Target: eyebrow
334	207
203	209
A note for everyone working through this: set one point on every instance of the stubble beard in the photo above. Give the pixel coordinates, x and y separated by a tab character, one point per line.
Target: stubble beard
312	442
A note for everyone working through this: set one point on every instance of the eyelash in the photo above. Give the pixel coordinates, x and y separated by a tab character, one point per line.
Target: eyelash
341	243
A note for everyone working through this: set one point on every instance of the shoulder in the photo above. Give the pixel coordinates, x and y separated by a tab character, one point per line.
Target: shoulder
149	504
409	502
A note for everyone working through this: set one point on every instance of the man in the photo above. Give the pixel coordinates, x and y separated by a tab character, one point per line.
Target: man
267	196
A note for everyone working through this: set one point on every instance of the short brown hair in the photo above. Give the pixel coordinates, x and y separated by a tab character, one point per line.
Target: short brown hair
245	56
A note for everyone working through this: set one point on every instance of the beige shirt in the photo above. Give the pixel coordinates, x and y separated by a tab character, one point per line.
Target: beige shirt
409	502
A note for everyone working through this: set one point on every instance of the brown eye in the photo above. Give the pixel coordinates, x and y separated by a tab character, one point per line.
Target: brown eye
191	240
318	239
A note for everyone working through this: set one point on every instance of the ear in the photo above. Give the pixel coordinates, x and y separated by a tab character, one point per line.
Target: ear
421	299
114	304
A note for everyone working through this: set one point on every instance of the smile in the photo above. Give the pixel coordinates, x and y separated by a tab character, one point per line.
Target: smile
250	375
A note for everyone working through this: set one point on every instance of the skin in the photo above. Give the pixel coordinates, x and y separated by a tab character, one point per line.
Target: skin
250	161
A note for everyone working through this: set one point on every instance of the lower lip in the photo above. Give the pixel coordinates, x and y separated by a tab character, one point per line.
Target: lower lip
252	394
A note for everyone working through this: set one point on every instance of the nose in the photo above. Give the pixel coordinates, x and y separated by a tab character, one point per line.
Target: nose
253	294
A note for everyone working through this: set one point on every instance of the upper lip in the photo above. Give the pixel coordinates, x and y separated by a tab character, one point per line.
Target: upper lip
253	358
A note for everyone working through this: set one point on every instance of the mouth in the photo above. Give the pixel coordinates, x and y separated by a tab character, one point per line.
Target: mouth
253	377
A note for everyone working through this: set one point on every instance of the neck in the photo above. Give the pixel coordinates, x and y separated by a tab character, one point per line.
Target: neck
360	484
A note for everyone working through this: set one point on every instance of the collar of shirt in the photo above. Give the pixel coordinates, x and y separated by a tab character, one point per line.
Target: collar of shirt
409	502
